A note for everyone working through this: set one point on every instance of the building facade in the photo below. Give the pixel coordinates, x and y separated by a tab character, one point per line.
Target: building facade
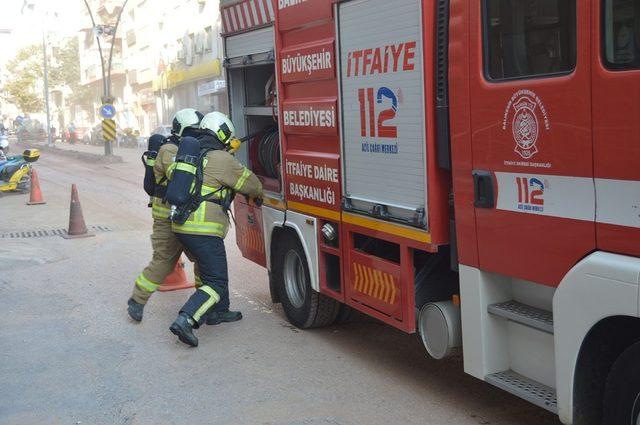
167	57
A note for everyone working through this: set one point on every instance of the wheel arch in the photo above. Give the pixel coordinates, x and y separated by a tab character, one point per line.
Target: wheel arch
304	228
596	294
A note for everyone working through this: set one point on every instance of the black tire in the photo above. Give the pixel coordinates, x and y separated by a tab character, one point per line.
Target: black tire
622	389
308	308
345	314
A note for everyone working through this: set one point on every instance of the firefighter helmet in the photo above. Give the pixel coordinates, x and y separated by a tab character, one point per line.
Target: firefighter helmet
219	125
185	118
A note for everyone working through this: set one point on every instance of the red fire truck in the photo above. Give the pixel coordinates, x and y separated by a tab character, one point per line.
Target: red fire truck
467	170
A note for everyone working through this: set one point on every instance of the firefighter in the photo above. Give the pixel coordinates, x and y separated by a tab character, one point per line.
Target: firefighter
204	230
166	247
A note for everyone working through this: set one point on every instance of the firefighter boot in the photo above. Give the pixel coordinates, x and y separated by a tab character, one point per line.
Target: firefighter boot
183	329
135	310
217	317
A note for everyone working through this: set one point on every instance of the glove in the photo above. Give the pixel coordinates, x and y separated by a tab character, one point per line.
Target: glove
258	202
234	145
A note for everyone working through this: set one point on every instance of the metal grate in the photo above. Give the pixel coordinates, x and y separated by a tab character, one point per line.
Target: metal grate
524	314
43	233
528	389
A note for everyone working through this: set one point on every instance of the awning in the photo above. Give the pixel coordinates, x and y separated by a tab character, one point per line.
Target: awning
175	77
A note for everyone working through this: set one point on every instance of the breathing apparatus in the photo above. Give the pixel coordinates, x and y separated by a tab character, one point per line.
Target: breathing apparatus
149	160
184	191
182	187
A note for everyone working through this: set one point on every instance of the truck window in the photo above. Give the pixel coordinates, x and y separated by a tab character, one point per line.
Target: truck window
529	38
621	42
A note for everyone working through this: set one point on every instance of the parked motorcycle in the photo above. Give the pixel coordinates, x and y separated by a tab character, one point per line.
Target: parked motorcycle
15	171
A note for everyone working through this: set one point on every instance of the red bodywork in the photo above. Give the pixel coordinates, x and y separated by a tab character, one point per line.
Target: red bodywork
376	286
616	137
588	130
592	135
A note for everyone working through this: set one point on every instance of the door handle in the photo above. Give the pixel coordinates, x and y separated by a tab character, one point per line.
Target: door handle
483	193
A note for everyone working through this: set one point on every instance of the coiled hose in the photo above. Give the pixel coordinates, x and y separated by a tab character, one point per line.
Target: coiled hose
269	152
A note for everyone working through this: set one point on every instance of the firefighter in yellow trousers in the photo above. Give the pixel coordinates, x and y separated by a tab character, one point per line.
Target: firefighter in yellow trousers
206	221
166	247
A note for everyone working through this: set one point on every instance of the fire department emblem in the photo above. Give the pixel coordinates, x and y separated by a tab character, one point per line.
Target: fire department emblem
529	121
525	127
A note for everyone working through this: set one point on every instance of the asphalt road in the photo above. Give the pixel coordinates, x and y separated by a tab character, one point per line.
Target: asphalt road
69	354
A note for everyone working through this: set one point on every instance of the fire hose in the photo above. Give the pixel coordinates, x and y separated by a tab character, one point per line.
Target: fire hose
269	152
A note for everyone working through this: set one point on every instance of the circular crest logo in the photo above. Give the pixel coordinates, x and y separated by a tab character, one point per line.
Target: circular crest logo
525	126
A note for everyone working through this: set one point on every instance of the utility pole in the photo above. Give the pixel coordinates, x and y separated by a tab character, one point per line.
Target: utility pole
106	110
4	31
46	85
31	6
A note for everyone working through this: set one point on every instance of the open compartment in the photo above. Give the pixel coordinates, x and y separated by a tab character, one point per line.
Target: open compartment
253	105
254	111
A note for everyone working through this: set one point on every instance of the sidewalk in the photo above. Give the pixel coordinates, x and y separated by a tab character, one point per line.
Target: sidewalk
88	153
127	154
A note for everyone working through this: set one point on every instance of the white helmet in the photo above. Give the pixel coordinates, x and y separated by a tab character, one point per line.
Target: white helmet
185	118
4	144
219	125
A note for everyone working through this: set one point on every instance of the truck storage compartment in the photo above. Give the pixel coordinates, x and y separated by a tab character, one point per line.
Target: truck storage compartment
383	110
254	112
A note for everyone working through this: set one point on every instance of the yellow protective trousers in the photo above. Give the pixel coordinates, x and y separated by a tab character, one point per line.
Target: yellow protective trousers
167	250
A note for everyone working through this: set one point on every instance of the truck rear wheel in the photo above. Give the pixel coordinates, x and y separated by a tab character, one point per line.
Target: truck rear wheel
622	390
304	307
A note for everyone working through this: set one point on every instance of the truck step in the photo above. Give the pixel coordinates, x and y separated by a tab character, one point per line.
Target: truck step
525	388
524	314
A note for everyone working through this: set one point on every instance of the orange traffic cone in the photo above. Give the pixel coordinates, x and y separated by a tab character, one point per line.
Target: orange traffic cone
176	280
35	194
77	227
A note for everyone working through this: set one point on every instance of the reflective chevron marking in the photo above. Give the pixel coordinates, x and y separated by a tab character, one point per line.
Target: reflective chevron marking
374	283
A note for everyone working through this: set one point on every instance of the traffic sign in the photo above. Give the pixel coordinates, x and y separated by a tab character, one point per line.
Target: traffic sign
107	111
109	130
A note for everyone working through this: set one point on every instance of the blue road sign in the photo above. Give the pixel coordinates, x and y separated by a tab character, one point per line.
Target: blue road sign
107	111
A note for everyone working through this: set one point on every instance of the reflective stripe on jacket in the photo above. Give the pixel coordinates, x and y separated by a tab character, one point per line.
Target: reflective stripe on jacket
221	170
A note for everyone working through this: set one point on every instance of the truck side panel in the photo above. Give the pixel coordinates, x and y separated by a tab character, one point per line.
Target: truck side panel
616	87
532	139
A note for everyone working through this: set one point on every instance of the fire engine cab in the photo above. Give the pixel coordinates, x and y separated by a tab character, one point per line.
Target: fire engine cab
466	170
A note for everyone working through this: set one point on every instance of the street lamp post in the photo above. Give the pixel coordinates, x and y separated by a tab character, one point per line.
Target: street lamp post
107	99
